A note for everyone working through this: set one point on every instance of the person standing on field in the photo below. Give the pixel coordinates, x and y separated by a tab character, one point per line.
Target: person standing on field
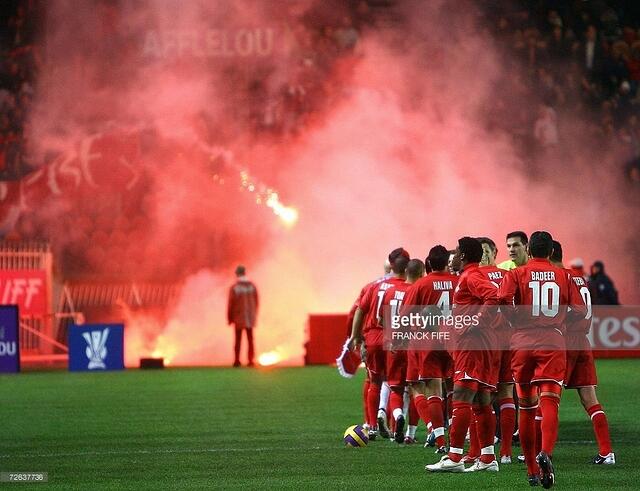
242	311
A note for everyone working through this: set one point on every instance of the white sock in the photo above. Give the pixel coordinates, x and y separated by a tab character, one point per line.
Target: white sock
411	431
406	400
397	412
487	450
384	395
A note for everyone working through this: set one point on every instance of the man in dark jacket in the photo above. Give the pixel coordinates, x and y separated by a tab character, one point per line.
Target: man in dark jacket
242	310
601	287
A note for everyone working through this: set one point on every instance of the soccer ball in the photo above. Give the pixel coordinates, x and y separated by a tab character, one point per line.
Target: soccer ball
356	436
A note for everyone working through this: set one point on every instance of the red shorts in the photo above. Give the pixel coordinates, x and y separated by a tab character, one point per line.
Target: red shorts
476	365
581	369
376	356
396	367
531	366
425	365
505	375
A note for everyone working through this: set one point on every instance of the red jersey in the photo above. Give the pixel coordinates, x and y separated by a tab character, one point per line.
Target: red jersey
581	325
434	289
474	287
371	301
393	299
544	291
242	307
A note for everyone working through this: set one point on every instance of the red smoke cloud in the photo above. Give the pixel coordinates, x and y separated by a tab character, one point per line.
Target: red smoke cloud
395	150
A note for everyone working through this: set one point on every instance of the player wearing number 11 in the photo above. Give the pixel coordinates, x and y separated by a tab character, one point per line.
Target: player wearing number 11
541	293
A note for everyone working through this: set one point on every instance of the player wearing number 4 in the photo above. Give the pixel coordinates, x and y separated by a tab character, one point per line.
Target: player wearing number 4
581	370
428	368
539	294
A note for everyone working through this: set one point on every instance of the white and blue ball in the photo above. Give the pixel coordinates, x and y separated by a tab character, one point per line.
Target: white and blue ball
356	436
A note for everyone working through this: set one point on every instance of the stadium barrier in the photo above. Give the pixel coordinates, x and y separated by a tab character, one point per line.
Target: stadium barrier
615	333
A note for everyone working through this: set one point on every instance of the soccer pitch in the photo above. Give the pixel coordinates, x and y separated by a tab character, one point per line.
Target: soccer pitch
263	429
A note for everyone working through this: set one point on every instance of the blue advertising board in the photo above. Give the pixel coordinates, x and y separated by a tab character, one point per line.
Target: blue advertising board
96	347
9	345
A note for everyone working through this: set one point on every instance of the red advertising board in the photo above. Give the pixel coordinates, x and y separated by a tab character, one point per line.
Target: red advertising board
615	331
25	288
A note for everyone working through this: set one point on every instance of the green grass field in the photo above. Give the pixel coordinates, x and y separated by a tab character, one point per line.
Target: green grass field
262	429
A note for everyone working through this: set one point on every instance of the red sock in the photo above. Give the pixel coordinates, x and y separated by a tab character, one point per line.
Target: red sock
373	401
414	417
600	428
538	425
474	443
458	429
485	431
507	424
396	400
422	405
437	419
365	397
549	406
527	432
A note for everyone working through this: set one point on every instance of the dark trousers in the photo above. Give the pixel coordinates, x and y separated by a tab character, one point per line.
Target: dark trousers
249	332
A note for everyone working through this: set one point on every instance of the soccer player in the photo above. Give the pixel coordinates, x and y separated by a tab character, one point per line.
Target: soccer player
367	333
517	246
396	364
351	315
426	369
504	395
581	370
538	294
475	371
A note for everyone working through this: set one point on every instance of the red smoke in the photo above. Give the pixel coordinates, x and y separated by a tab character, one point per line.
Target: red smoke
394	150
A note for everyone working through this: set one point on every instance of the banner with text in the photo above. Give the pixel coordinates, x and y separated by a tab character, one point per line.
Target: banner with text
9	346
25	287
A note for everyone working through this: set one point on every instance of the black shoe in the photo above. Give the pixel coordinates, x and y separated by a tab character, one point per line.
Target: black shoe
534	480
441	450
236	364
547	477
399	437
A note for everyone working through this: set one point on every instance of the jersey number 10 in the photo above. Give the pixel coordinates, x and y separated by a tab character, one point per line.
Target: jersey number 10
545	298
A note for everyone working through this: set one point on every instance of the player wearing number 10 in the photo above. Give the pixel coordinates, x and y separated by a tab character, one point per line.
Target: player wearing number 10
538	358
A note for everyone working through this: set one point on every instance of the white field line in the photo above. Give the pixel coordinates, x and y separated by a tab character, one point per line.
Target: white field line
159	451
152	451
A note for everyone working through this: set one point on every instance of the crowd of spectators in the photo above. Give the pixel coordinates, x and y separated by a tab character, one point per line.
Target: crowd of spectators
578	60
581	62
18	60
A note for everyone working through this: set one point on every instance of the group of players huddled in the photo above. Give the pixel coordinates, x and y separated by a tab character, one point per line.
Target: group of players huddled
460	385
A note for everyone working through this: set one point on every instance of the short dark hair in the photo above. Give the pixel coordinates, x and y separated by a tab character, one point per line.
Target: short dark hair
488	241
415	268
438	258
397	253
520	234
541	244
399	266
471	248
240	270
556	255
